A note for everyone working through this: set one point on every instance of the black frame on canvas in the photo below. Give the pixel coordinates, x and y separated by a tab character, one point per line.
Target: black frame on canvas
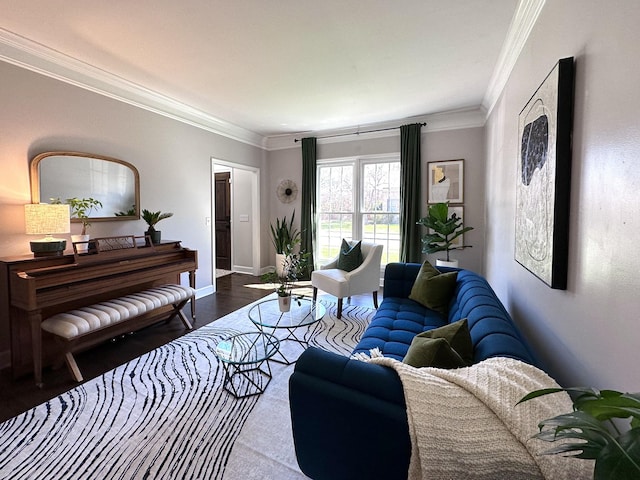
562	180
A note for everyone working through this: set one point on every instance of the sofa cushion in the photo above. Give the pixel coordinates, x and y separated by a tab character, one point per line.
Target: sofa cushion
396	322
433	289
350	256
445	347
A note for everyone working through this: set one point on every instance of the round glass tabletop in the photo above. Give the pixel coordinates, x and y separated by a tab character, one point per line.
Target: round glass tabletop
304	311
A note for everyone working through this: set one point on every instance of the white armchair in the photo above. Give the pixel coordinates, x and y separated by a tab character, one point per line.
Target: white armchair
364	279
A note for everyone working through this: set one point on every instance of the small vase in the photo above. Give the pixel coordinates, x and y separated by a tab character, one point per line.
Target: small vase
284	303
82	247
154	235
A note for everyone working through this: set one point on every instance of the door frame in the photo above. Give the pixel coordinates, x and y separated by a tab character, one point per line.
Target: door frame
253	269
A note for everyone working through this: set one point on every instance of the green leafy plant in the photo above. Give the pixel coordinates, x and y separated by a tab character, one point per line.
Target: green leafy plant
81	208
294	268
284	235
445	230
597	424
152	218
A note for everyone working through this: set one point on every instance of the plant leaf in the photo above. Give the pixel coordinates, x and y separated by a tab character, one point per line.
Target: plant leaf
620	460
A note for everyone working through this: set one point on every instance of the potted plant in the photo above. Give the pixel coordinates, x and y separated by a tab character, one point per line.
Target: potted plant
81	209
152	218
293	269
284	237
614	445
444	229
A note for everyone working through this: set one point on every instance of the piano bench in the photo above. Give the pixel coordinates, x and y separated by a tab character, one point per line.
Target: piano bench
82	326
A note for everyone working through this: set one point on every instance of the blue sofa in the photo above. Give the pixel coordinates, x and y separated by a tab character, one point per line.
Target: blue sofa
349	417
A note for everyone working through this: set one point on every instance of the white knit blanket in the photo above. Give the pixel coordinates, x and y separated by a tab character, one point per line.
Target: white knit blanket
464	423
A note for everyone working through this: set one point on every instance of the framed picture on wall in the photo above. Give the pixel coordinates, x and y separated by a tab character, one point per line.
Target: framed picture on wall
445	181
543	179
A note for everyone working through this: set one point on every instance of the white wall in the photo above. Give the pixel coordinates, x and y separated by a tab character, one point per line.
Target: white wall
588	334
467	144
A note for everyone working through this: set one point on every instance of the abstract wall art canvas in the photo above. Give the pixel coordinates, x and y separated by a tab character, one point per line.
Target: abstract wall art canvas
543	179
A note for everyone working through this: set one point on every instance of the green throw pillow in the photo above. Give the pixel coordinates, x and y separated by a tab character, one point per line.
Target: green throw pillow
434	289
350	256
445	347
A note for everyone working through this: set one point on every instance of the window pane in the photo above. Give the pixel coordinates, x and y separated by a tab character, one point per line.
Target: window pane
335	210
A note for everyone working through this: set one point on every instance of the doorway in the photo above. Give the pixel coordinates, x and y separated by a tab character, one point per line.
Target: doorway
236	208
222	207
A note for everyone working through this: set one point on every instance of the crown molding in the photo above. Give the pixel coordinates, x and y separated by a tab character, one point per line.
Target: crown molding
524	19
33	56
451	120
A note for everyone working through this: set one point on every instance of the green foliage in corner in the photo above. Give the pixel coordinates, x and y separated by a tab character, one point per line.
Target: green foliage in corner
606	427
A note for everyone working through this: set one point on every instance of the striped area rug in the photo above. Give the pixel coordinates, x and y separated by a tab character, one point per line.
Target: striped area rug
165	415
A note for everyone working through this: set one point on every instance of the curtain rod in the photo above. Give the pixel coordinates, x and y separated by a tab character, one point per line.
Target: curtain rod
296	140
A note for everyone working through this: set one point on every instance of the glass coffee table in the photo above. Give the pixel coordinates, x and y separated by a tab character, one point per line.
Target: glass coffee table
243	355
304	312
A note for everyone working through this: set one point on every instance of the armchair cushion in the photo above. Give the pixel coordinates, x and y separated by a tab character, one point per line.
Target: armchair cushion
350	256
434	289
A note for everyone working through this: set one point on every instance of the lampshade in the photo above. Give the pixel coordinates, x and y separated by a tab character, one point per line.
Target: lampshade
47	219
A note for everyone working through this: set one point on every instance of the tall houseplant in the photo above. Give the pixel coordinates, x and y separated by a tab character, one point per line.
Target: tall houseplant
152	219
285	237
614	445
444	230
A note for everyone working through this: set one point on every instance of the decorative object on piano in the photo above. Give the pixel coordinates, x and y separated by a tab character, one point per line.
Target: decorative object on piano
294	267
47	219
81	209
152	218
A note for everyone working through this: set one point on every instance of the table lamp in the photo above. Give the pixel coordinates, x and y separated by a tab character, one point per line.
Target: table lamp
47	219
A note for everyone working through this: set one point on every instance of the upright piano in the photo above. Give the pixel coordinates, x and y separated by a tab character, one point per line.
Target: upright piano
34	288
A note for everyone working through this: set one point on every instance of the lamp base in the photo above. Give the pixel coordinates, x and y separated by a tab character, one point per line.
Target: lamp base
53	248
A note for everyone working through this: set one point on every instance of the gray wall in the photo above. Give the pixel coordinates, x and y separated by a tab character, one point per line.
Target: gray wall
467	144
174	159
588	334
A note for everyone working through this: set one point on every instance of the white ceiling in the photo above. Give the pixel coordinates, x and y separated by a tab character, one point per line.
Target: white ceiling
274	67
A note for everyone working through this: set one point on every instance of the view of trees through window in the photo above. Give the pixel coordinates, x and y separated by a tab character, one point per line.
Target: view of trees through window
358	199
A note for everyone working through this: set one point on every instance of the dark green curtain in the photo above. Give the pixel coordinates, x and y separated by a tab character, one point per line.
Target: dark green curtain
308	217
410	243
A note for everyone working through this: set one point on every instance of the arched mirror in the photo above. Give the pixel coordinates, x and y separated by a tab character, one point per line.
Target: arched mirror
62	175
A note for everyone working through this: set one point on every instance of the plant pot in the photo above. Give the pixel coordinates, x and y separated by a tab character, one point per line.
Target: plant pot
443	263
280	258
284	303
81	247
154	235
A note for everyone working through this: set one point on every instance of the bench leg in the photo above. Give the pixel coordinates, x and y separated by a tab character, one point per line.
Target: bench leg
73	366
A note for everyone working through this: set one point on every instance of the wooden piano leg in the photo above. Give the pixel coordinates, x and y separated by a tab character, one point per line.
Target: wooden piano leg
36	342
192	284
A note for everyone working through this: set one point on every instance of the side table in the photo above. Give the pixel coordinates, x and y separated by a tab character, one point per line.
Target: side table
243	355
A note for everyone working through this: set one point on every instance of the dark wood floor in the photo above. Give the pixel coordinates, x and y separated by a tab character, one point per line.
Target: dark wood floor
233	291
17	396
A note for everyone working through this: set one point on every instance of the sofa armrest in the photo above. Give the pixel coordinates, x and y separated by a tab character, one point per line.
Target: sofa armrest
348	418
399	278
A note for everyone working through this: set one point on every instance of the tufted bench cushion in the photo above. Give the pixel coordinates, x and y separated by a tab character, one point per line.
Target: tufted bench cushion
94	323
83	320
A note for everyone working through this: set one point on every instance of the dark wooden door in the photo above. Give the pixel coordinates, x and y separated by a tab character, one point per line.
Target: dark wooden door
223	220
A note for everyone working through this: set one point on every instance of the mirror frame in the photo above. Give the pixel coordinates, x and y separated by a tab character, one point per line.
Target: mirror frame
34	173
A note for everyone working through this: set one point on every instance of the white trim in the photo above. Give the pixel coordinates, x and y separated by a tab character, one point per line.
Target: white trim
38	58
522	23
436	122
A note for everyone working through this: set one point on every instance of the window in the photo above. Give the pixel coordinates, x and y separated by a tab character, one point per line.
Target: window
358	198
